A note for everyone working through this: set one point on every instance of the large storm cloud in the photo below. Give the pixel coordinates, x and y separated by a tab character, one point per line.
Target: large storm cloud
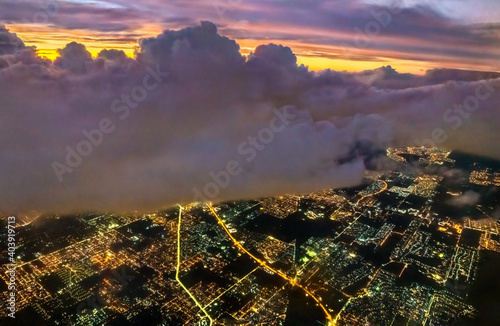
190	118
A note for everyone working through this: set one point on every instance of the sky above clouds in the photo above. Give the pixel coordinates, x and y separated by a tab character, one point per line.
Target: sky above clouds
412	36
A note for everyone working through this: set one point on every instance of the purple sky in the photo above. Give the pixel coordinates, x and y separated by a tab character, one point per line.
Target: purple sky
412	36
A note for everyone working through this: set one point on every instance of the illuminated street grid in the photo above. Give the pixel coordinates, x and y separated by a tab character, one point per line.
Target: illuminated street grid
385	253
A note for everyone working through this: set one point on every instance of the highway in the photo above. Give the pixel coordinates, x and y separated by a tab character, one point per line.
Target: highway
262	263
179	266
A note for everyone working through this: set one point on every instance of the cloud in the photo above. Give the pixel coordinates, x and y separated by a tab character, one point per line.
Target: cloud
468	198
9	42
73	58
13	50
70	15
496	214
191	115
388	77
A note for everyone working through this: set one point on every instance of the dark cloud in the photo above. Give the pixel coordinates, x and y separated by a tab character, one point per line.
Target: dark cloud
278	55
9	42
438	76
388	78
69	15
13	51
74	57
171	123
112	54
202	41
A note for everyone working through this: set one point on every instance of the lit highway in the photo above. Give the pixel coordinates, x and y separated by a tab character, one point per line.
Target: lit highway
238	244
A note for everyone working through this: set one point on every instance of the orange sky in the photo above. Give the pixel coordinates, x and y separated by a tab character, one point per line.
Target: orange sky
47	40
302	40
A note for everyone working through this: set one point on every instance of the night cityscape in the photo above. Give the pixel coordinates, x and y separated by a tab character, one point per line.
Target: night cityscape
250	162
393	251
